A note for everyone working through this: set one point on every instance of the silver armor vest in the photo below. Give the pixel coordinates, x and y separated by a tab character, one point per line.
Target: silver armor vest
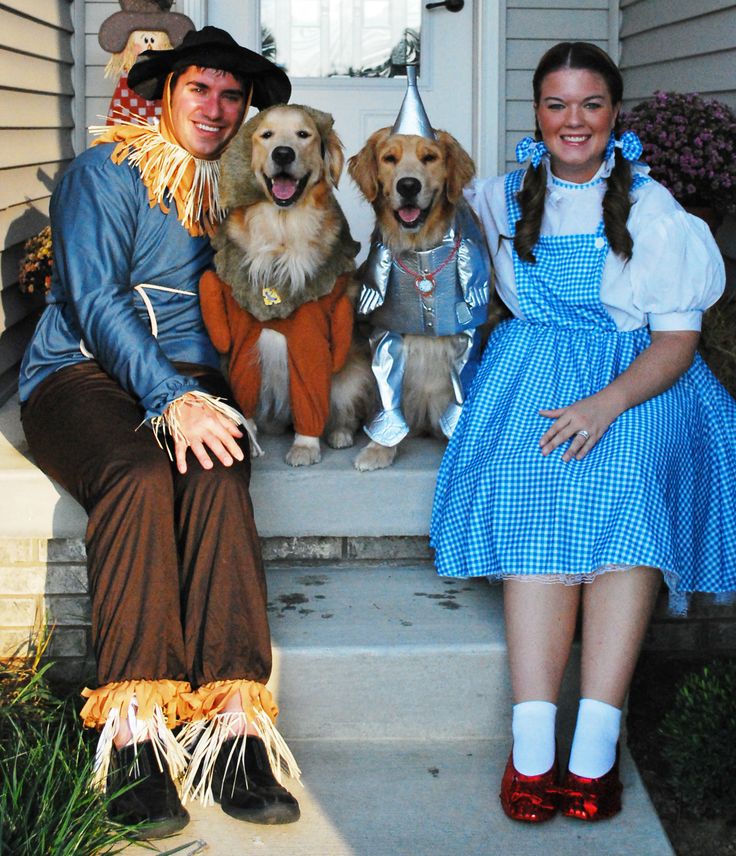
435	292
447	294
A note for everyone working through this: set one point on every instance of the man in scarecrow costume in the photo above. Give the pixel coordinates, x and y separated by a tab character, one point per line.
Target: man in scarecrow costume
124	405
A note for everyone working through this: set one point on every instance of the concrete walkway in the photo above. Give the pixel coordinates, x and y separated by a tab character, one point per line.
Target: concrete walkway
395	699
421	798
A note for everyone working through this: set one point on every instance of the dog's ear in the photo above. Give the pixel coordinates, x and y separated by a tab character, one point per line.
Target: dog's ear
332	147
334	156
363	167
238	186
460	167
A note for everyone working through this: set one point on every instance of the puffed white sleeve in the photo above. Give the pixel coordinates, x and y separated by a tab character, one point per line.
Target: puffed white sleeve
676	269
486	197
480	195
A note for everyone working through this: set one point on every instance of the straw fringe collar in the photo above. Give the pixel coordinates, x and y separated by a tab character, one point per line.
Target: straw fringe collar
168	171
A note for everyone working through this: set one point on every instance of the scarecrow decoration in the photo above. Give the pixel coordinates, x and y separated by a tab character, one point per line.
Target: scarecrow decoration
141	25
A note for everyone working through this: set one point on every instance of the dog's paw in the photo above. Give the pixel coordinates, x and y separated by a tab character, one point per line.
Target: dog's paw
340	438
304	451
375	457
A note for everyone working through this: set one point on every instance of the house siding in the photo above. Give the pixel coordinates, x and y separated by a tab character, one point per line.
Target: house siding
531	27
36	143
681	46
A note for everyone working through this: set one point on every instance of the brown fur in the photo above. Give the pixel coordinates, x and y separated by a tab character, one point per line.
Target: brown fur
443	168
299	248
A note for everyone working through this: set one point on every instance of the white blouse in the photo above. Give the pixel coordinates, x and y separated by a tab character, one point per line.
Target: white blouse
675	273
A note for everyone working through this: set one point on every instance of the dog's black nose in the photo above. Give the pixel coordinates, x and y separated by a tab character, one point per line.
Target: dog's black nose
283	155
408	186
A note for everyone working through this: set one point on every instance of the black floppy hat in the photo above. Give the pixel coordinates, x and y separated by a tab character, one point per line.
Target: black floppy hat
211	47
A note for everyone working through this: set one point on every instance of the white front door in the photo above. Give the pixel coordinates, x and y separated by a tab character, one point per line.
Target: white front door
314	38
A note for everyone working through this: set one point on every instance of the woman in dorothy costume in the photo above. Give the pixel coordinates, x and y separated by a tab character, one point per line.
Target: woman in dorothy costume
596	453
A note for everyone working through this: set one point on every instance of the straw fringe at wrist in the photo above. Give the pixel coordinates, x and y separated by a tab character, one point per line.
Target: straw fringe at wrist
168	424
152	709
211	726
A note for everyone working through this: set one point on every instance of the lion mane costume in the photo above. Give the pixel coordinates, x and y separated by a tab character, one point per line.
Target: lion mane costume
239	302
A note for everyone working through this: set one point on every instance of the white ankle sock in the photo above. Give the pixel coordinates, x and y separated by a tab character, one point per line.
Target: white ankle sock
597	731
533	727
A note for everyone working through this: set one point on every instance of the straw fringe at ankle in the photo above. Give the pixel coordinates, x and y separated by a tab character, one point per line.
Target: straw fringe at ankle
158	705
211	725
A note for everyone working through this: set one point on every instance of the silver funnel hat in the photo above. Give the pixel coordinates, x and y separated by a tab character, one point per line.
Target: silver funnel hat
412	118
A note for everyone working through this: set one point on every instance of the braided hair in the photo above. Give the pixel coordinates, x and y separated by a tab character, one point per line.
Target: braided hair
617	201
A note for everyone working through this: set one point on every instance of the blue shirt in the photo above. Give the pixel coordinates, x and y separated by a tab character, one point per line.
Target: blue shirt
106	240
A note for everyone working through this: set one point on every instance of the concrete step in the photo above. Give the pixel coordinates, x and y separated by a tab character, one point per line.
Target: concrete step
392	682
333	498
434	797
328	499
390	647
395	700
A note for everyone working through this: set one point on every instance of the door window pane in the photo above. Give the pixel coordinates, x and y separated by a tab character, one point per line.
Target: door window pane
330	38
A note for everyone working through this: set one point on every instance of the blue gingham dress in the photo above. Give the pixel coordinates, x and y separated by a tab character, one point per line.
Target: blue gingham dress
658	489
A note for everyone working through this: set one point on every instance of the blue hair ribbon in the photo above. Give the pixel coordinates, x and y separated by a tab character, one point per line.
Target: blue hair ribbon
628	142
527	148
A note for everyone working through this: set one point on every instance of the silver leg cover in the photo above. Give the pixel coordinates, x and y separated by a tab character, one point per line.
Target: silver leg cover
388	428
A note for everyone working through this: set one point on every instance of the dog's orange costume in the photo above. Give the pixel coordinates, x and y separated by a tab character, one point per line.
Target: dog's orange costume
317	333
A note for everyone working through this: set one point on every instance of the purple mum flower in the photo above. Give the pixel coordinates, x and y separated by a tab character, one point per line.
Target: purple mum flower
690	145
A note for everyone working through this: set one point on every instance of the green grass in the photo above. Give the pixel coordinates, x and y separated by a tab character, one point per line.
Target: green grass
46	805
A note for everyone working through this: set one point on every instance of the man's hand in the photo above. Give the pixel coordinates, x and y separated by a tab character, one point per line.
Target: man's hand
206	432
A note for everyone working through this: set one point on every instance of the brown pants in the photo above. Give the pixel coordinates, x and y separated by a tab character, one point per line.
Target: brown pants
175	574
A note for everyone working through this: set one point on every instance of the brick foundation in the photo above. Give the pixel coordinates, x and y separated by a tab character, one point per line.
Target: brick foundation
46	582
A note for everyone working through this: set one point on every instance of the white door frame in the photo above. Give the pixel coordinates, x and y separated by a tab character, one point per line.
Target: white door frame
240	19
79	134
489	86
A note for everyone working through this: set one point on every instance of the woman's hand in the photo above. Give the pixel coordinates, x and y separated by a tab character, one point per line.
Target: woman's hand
667	358
205	431
585	422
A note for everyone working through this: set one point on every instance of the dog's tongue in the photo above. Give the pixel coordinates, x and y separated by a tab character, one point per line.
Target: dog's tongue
283	188
409	213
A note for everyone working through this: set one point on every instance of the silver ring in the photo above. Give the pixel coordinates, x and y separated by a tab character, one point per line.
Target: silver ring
584	434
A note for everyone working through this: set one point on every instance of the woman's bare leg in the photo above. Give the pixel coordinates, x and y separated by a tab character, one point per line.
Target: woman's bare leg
540	624
616	611
617	607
